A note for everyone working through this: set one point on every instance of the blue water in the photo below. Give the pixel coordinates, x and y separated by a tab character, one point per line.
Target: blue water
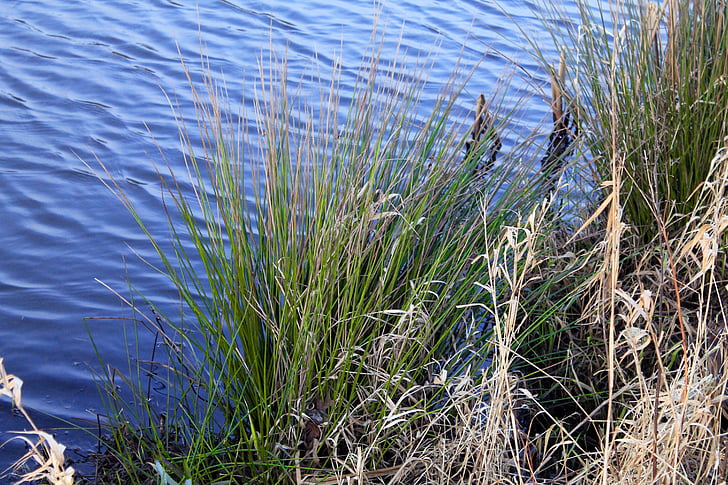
86	79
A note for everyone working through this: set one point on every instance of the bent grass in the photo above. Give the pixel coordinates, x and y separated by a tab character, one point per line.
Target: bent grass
45	456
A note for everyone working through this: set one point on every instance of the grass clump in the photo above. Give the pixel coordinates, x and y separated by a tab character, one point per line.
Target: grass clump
643	324
325	272
647	82
658	351
646	85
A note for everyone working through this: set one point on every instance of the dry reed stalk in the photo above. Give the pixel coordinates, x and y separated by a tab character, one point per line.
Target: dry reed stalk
664	424
610	274
671	431
46	452
481	416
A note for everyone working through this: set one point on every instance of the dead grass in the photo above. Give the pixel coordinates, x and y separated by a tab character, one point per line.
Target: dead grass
664	383
44	459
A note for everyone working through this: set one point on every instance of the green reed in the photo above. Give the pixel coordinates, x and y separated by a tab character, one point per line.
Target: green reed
647	83
325	263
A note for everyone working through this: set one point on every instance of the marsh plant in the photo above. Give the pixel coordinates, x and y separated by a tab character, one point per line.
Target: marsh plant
369	293
646	327
326	272
647	82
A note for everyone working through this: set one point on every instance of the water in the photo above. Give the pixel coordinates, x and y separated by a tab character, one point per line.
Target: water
84	79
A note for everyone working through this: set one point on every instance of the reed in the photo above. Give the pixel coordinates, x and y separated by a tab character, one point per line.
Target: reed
644	328
647	83
661	413
370	305
326	269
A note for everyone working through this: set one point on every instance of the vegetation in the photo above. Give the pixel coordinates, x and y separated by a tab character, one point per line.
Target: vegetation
45	457
648	82
371	298
329	275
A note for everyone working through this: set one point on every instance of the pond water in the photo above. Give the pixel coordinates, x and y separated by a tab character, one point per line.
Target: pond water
85	79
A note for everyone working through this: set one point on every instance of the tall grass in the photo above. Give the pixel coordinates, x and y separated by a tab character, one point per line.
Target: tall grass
361	302
655	422
326	272
647	82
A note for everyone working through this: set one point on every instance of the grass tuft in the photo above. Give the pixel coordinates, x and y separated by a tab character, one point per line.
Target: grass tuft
374	294
647	82
327	270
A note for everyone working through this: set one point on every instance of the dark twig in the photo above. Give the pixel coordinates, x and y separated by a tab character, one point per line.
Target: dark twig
483	131
563	134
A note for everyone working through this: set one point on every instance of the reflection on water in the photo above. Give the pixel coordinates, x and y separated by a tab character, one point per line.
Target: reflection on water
85	79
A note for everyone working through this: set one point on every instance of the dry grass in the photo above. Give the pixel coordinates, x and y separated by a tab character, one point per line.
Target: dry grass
44	460
664	383
668	345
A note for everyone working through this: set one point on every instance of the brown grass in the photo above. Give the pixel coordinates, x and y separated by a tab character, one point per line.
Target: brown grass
44	459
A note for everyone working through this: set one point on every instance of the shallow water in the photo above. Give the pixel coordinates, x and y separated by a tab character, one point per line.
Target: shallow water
85	79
